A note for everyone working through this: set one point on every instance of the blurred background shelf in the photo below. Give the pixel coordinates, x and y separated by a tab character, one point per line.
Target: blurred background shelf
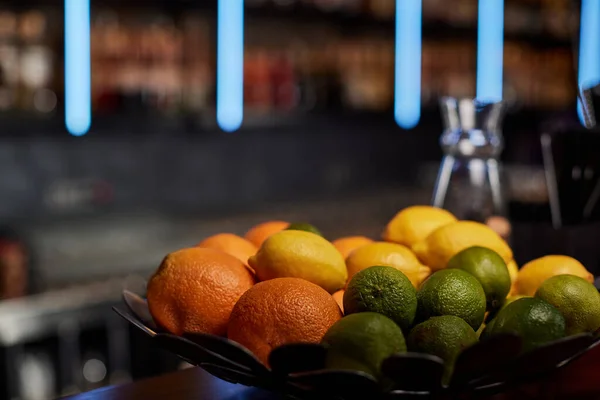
301	56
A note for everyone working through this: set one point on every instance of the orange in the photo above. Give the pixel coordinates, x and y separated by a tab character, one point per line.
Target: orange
347	245
259	233
281	311
229	243
195	289
339	298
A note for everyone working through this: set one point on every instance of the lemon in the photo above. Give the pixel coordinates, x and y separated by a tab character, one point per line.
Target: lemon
300	254
535	272
415	223
443	243
388	255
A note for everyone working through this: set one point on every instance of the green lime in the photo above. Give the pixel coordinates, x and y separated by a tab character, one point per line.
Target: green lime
487	331
362	341
492	314
513	298
576	299
384	290
303	226
490	270
534	320
452	292
446	337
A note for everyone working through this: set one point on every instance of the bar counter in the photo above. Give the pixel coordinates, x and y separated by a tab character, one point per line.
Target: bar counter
578	380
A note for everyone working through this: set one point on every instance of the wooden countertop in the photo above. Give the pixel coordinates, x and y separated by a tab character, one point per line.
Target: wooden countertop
578	380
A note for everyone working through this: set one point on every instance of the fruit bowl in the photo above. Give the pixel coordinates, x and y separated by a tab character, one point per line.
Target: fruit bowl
490	366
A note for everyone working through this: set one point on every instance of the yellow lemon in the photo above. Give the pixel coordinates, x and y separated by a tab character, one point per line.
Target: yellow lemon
387	255
535	272
513	271
443	243
415	223
300	254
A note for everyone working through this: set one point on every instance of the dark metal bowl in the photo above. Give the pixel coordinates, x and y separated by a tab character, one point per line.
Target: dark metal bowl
490	366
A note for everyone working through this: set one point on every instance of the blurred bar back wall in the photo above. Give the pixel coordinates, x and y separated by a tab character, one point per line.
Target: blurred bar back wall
155	173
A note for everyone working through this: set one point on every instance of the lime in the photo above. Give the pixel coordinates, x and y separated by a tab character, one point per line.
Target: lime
510	299
452	292
384	290
362	341
506	302
303	226
534	320
445	337
576	299
490	270
487	330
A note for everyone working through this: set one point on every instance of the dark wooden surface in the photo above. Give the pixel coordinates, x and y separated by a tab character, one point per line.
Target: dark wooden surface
578	380
189	384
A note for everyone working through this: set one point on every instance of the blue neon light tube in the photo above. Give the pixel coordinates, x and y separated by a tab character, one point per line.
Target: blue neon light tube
490	48
78	108
407	86
230	64
589	46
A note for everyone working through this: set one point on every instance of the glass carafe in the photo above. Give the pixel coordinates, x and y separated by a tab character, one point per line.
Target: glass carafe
589	96
468	182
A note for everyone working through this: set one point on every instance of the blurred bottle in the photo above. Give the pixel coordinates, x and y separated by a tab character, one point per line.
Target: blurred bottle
36	63
198	54
14	265
283	83
9	60
258	94
382	9
162	47
108	41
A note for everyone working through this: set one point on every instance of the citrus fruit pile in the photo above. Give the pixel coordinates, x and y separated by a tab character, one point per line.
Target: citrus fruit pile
433	285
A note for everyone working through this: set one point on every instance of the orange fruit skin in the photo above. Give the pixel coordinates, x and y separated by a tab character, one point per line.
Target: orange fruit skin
280	311
229	243
347	245
195	289
339	298
259	233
